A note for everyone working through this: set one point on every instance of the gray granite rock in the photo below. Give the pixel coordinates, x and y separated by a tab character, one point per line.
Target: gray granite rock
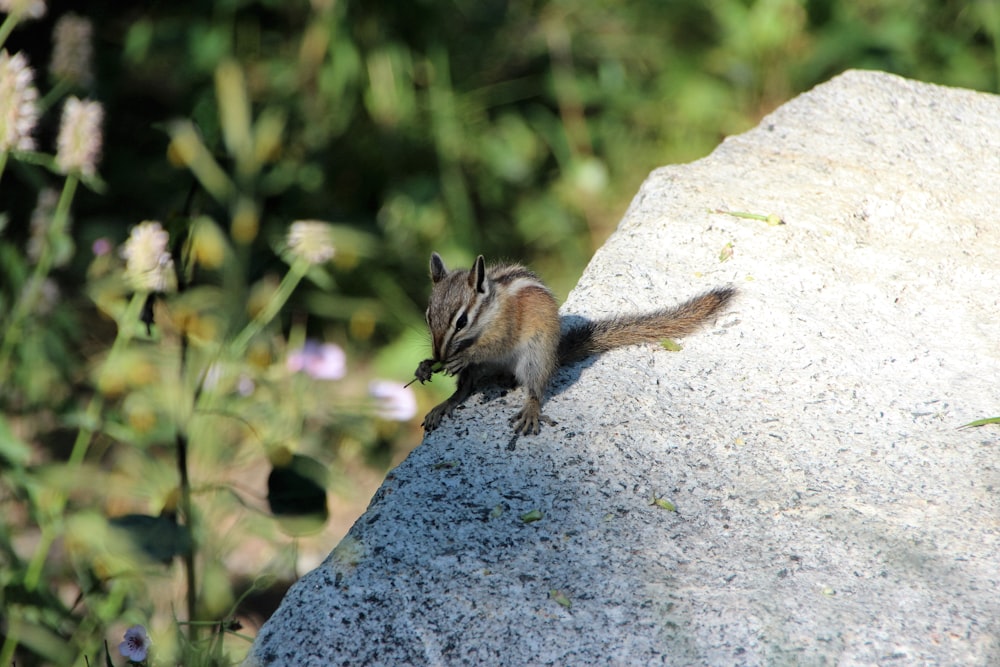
829	510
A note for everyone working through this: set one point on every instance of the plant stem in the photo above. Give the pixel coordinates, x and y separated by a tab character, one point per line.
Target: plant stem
295	274
58	90
185	499
189	557
5	30
86	433
34	571
60	220
79	451
10	643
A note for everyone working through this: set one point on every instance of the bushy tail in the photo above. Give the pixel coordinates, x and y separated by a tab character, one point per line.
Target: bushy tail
598	336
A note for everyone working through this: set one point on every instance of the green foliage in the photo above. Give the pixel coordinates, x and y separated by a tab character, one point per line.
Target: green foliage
142	410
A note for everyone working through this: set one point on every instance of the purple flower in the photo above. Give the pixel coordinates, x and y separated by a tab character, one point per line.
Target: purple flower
395	402
101	247
136	644
322	361
245	385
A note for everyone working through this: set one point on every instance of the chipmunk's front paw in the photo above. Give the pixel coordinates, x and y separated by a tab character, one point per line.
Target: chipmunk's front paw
426	369
434	417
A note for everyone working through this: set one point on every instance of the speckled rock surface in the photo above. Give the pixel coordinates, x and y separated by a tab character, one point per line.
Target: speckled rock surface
828	508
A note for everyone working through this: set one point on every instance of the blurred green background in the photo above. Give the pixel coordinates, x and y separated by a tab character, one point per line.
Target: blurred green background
520	130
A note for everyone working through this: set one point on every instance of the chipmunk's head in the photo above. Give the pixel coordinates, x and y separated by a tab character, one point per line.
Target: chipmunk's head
458	300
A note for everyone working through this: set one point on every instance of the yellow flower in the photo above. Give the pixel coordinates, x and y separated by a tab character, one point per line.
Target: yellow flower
208	244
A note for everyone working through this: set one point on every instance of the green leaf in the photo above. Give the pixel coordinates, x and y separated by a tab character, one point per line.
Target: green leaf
560	597
532	516
12	448
663	504
38	638
670	345
159	537
981	422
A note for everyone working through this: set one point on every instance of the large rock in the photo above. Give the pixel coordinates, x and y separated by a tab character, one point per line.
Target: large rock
829	509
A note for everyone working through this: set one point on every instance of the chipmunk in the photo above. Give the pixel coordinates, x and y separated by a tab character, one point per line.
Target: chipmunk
503	319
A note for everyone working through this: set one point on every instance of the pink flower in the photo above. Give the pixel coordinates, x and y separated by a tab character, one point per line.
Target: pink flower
18	103
136	644
322	361
395	402
21	9
79	141
73	50
148	264
311	240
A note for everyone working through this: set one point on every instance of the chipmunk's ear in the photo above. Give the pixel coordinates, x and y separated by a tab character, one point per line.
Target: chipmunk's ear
438	269
477	276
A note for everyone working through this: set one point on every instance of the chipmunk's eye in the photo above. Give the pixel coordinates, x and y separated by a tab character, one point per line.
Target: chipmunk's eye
463	319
